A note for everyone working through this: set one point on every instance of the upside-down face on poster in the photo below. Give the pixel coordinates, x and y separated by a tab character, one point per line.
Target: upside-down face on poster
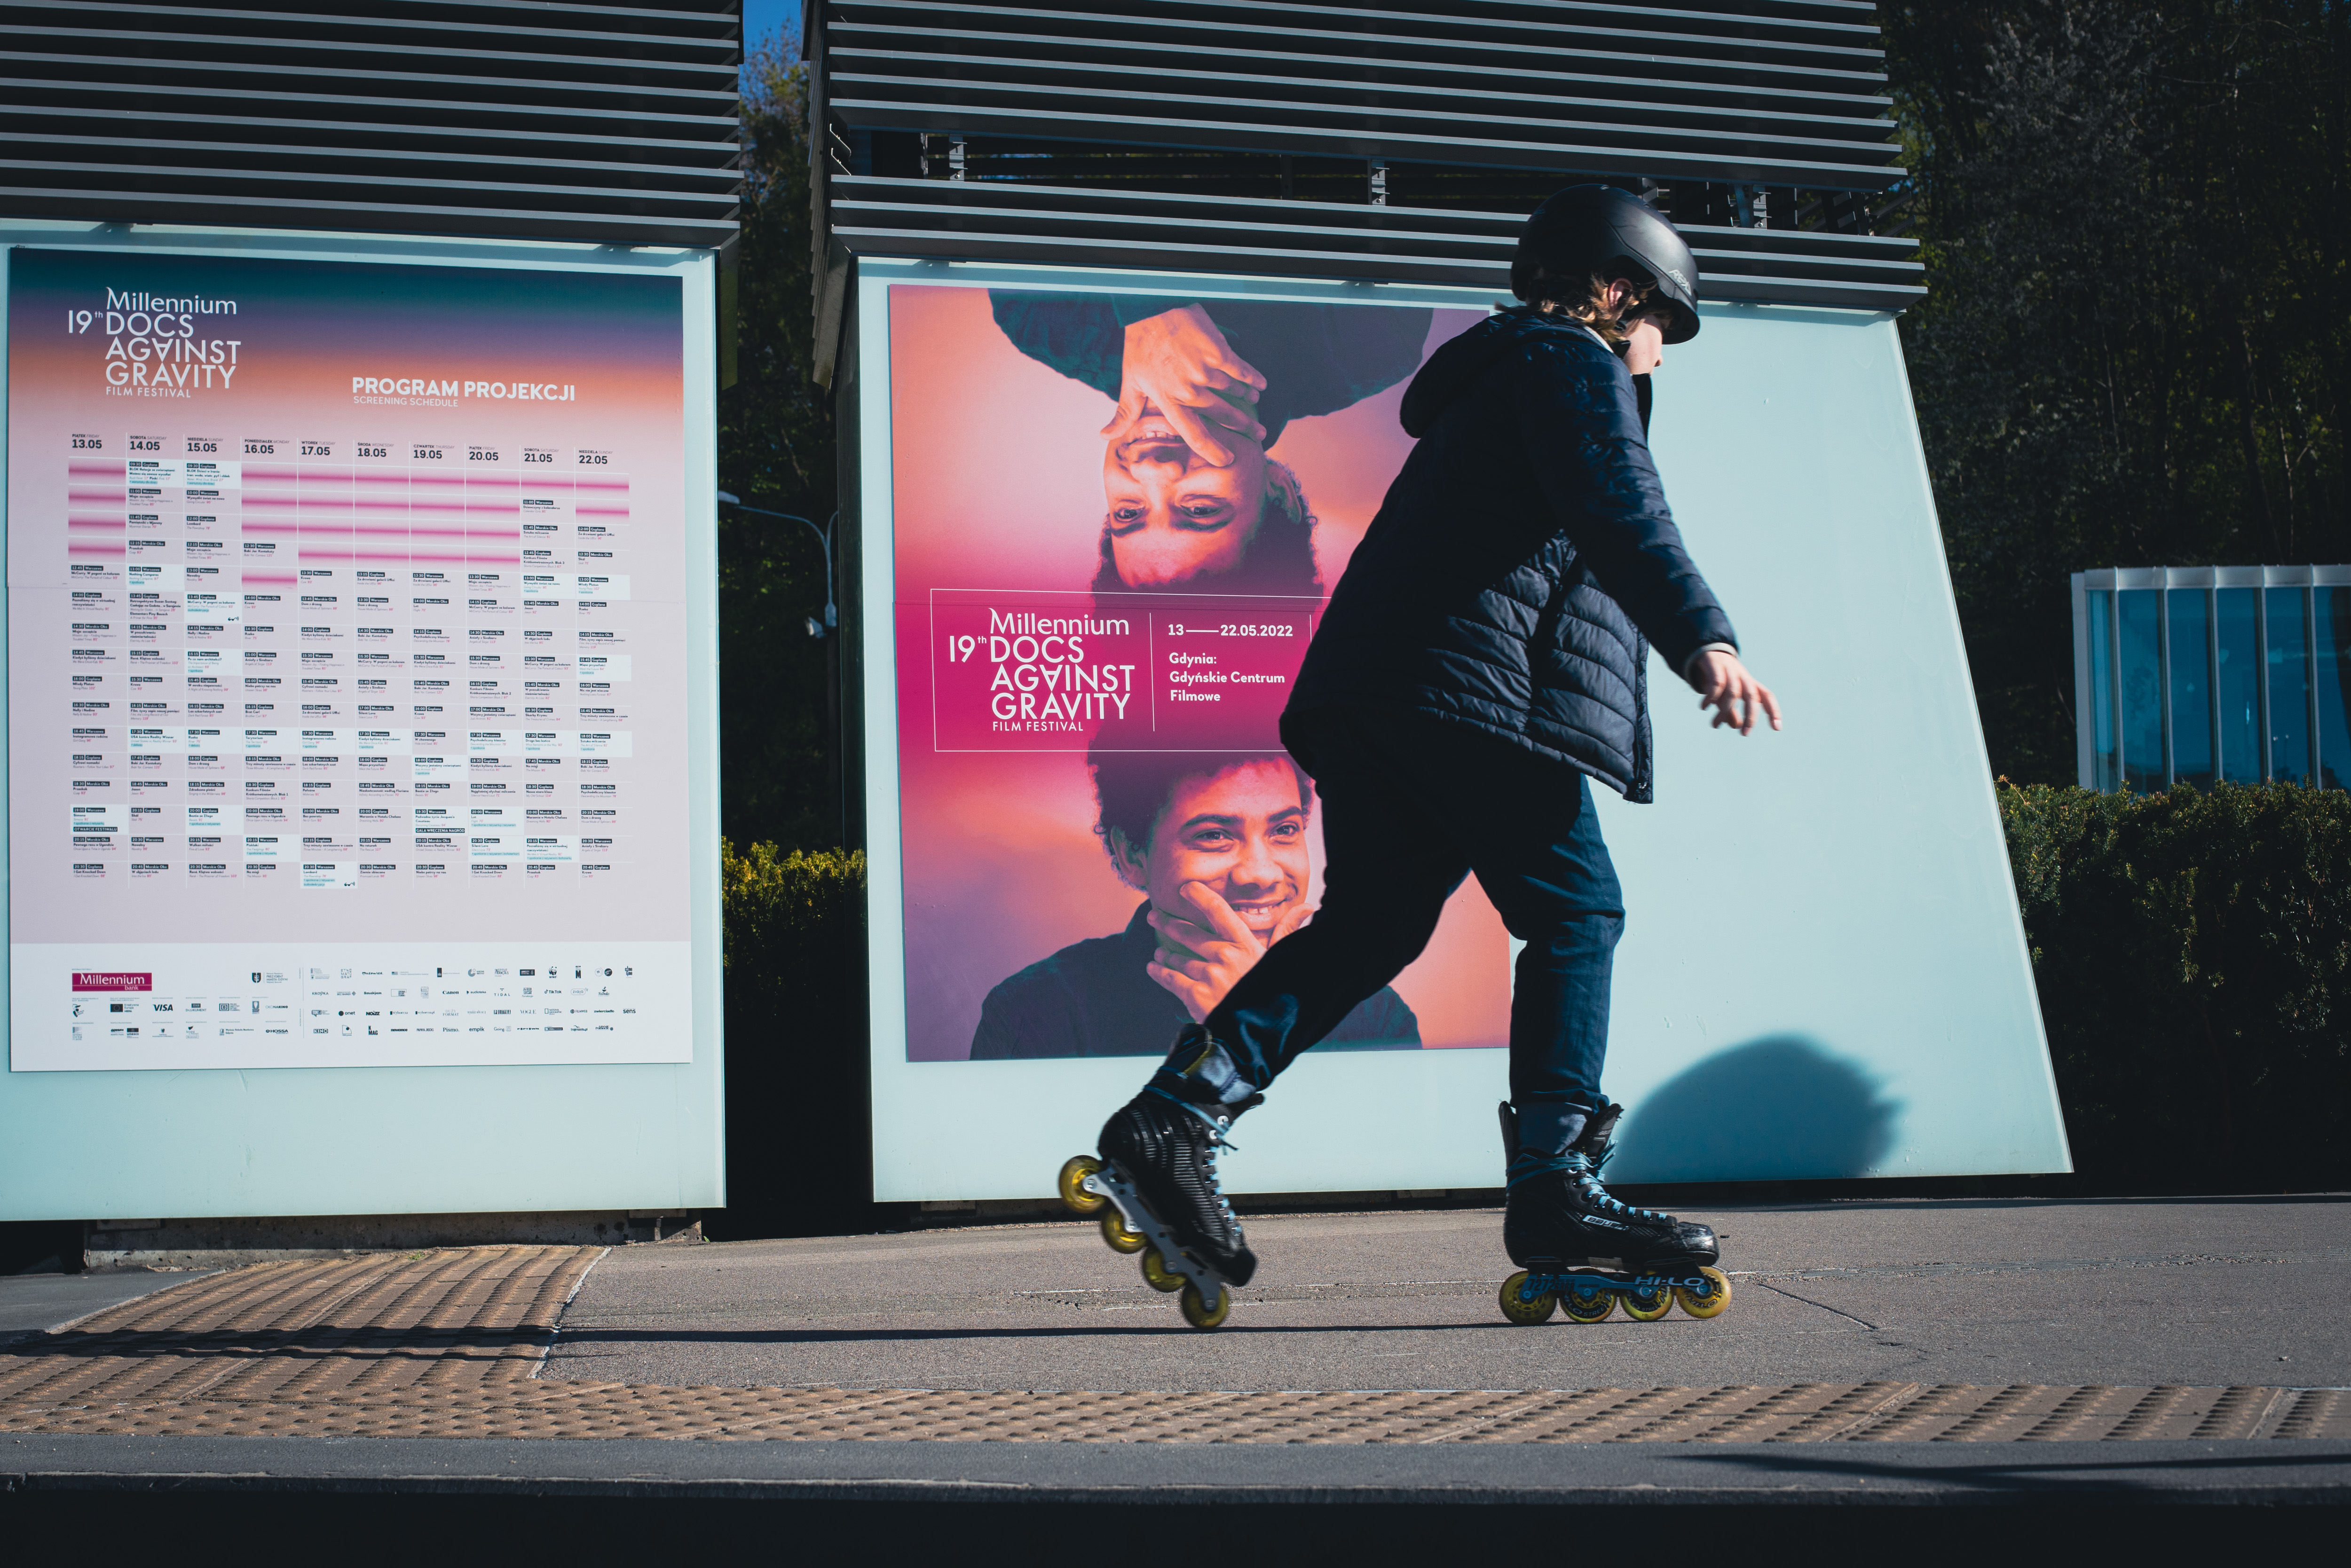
346	664
1098	627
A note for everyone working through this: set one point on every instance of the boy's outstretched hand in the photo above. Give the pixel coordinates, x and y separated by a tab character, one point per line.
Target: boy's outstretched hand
1738	698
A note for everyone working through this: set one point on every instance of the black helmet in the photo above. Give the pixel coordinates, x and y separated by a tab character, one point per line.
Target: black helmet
1594	229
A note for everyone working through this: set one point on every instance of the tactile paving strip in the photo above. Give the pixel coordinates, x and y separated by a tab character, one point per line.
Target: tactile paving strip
370	1325
442	1344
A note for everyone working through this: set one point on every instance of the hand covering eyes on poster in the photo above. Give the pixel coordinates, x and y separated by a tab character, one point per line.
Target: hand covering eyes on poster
1117	518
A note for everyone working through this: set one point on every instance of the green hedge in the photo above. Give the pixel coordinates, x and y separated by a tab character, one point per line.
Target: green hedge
2189	947
796	1155
786	916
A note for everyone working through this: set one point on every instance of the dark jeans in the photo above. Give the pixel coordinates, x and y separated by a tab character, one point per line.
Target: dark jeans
1410	807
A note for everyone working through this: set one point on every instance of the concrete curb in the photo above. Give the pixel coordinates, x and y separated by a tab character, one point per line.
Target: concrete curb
2073	1475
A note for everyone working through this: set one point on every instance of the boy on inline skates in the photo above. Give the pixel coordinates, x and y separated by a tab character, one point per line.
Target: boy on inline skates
1483	658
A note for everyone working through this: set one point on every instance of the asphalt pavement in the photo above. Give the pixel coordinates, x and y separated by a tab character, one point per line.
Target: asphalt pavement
2221	1290
35	1303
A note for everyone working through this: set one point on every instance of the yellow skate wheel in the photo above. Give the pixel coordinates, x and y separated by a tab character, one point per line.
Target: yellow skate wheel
1587	1306
1648	1306
1525	1311
1122	1237
1709	1304
1072	1186
1198	1313
1158	1274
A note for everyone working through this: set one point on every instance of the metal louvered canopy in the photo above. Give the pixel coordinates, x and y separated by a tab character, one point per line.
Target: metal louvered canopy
1182	134
1781	97
495	118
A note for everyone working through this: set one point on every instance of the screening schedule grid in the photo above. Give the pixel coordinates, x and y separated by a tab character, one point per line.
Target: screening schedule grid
330	662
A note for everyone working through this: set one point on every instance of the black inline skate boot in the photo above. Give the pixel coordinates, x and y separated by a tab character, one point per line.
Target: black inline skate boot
1155	1186
1579	1248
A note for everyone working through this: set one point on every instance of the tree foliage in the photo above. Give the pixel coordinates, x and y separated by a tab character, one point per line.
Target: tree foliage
776	451
2136	345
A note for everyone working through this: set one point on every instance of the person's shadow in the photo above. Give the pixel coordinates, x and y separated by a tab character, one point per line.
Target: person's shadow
1776	1109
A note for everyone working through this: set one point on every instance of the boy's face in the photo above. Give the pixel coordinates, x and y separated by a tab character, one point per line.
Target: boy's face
1241	834
1171	513
1644	341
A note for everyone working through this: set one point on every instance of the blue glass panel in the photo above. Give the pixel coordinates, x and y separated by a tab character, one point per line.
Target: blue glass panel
2331	625
2105	762
2289	667
2191	687
2240	686
2142	683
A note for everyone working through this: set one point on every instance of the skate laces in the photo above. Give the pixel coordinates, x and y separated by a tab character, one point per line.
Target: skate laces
1584	1172
1217	1140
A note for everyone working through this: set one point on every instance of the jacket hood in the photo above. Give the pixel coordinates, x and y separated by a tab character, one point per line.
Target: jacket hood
1456	365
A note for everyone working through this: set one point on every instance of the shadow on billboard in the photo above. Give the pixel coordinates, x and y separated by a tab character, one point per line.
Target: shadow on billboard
1781	1108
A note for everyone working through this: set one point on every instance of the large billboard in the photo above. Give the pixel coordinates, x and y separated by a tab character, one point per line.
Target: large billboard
1096	629
1101	514
346	664
358	717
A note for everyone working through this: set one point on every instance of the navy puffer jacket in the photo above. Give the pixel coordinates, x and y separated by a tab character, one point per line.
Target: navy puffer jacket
1518	561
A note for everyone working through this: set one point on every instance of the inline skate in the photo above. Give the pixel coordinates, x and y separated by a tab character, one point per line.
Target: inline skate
1579	1249
1153	1184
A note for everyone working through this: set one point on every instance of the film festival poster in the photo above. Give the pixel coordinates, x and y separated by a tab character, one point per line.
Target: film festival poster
1097	628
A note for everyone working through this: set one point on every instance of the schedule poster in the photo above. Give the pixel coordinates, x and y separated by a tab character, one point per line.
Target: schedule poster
1098	624
346	664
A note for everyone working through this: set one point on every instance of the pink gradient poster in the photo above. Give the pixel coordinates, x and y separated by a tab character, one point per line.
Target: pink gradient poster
346	664
1104	583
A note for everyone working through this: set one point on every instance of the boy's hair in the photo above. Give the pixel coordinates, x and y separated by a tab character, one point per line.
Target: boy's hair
1132	788
1583	297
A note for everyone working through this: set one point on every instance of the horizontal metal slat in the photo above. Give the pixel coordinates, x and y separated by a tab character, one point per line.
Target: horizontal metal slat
111	71
1797	244
183	182
60	123
230	159
27	93
1424	146
401	217
988	54
1375	121
212	48
1326	96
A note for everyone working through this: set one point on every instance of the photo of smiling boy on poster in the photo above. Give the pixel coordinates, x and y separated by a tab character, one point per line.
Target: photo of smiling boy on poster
1107	567
1217	845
